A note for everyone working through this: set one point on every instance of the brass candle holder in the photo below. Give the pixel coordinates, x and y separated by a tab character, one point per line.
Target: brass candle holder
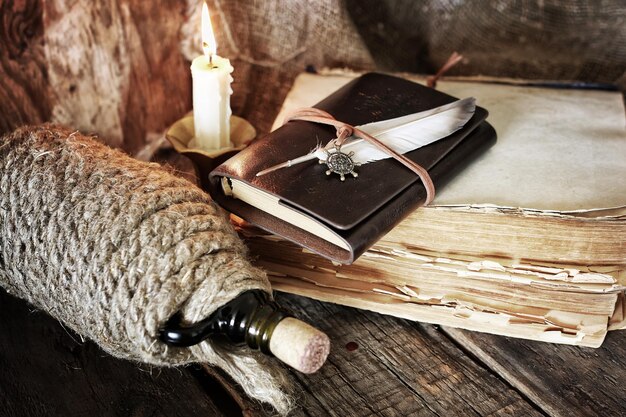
182	132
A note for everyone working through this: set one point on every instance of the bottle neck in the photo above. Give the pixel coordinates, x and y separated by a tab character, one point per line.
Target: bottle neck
248	319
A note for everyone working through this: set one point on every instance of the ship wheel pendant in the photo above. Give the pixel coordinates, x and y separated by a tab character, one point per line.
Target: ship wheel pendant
340	163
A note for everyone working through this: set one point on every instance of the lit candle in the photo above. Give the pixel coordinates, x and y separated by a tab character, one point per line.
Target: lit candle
211	92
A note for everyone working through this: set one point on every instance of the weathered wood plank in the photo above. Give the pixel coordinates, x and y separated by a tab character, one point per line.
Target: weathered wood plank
562	380
116	68
24	94
380	365
113	68
47	370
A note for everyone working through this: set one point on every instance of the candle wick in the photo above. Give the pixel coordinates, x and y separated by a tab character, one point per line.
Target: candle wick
207	52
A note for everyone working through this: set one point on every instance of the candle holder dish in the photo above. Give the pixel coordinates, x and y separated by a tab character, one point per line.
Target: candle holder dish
181	133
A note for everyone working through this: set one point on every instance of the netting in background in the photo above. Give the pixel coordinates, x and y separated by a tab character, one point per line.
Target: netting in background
552	39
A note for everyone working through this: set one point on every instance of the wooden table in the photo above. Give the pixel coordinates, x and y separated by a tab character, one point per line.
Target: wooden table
379	365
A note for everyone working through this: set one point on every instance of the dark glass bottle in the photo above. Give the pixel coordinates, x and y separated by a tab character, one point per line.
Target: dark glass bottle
248	319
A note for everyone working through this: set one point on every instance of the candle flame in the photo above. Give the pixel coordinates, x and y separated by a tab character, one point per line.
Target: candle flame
209	46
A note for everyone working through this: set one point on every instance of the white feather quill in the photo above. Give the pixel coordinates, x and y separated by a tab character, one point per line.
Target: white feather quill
402	134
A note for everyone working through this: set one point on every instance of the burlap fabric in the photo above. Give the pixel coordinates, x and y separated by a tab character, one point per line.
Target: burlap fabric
270	41
113	247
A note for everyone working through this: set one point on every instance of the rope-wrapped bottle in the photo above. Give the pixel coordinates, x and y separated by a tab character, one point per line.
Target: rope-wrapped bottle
114	248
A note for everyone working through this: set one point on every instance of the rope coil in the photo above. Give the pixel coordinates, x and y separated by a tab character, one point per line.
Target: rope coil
114	247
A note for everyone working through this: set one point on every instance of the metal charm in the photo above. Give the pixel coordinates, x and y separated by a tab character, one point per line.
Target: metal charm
340	163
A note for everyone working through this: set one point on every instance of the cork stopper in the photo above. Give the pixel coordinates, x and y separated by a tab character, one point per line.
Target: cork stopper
299	345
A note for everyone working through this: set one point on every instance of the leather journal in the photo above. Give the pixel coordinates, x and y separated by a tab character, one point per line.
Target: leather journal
341	219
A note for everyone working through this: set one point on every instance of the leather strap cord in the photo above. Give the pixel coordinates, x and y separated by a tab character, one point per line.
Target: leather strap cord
344	130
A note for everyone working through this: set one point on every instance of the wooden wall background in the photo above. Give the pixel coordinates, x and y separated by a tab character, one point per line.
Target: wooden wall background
108	67
120	68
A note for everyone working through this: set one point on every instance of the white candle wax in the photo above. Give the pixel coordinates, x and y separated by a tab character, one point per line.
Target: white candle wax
211	102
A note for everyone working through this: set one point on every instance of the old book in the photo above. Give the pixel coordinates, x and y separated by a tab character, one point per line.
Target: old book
530	242
336	219
551	190
553	303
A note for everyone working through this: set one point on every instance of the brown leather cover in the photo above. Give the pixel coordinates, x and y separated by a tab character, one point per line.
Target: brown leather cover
361	210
